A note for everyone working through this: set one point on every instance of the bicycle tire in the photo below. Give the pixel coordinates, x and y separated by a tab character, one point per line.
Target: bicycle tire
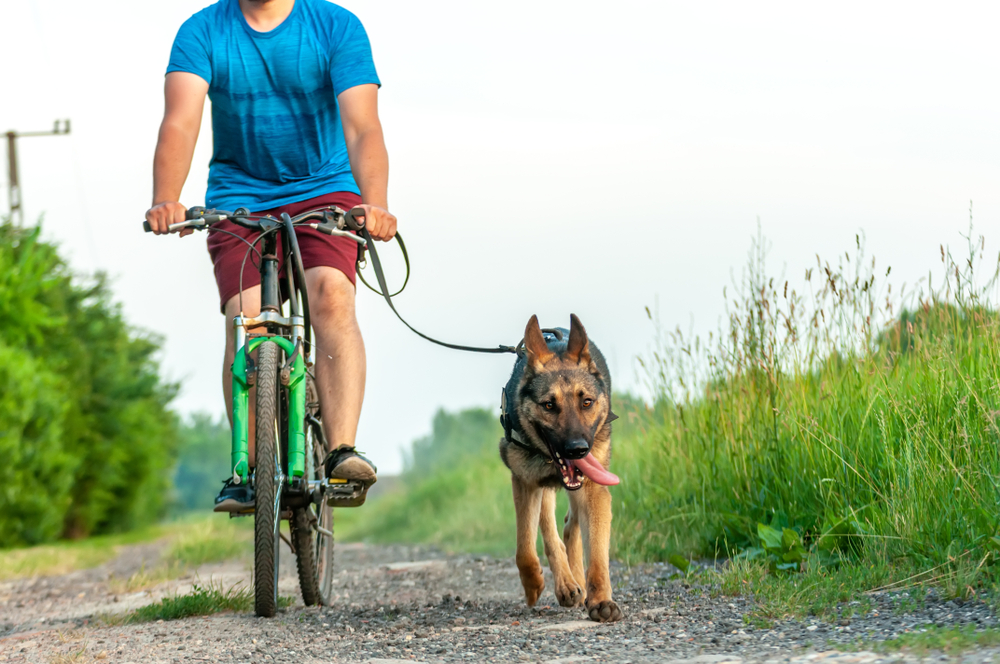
312	526
268	479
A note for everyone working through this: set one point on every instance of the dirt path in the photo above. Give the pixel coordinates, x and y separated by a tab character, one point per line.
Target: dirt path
406	603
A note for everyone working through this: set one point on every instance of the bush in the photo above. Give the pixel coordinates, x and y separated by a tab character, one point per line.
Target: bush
84	423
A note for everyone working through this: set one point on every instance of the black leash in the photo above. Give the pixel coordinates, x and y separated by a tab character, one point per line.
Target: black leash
380	276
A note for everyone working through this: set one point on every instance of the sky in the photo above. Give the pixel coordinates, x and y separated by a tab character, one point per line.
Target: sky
547	157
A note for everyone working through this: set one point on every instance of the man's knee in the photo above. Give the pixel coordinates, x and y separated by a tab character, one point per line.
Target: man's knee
331	296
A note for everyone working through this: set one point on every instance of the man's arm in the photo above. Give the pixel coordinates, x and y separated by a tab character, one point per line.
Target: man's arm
368	156
184	96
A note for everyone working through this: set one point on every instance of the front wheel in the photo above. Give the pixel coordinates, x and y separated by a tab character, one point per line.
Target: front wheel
268	480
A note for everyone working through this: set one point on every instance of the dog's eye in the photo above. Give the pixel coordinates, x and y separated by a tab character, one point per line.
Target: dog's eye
549	405
587	403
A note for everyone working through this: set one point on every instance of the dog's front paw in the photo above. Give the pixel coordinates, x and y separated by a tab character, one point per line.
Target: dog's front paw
534	583
606	611
569	593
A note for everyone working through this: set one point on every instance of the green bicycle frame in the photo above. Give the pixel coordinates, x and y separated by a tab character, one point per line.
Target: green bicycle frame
296	409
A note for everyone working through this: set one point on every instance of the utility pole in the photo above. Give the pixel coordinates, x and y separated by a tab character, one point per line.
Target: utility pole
61	128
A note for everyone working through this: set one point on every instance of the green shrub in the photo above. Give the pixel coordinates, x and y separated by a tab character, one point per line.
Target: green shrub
84	424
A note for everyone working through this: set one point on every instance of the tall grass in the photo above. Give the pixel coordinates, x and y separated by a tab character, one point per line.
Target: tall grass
837	408
862	416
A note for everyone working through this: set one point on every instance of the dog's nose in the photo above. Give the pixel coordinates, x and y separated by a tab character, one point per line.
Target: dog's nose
577	449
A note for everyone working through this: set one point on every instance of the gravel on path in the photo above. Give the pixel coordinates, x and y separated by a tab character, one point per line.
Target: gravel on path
399	603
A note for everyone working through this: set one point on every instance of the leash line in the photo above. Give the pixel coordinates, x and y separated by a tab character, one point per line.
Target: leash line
380	276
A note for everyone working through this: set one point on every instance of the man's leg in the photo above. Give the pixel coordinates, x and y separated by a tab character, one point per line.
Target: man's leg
237	497
340	366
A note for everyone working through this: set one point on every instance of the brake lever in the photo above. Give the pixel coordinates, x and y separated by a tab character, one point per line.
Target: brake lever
331	230
197	224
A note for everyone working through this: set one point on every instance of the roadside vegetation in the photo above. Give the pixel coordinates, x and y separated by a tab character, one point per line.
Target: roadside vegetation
85	432
203	600
186	543
836	430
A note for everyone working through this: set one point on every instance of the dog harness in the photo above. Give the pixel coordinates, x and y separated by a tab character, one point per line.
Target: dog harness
511	434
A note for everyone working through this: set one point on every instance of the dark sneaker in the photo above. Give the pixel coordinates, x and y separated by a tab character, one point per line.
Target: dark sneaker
235	497
349	476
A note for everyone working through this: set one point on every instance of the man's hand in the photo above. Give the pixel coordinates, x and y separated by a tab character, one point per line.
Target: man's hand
381	223
162	215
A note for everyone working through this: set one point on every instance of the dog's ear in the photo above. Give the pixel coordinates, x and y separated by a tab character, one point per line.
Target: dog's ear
535	346
578	349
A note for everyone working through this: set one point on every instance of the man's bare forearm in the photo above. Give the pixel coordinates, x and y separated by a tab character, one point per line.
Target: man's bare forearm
370	166
172	161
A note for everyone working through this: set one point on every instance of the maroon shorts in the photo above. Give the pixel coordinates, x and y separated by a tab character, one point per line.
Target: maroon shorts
317	249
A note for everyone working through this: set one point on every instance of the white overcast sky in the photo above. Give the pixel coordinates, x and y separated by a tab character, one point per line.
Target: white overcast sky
546	157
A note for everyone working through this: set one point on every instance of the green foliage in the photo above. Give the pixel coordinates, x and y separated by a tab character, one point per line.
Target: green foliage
203	460
467	507
84	429
454	438
953	640
784	549
201	601
455	491
872	435
859	421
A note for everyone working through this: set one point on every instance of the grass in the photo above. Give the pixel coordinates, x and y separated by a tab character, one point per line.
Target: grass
65	557
465	508
203	600
860	418
194	540
951	640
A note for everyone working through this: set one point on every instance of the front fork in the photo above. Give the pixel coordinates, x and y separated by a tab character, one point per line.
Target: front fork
292	377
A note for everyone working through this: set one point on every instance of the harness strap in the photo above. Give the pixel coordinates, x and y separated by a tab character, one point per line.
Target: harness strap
380	276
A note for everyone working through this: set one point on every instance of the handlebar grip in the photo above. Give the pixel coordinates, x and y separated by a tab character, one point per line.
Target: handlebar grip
146	227
352	221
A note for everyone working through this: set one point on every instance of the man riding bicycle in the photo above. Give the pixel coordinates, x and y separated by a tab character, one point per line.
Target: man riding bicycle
295	124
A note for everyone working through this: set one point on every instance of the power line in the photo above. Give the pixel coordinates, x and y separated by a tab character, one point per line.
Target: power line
61	128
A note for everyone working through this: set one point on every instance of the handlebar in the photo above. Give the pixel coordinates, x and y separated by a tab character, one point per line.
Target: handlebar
330	220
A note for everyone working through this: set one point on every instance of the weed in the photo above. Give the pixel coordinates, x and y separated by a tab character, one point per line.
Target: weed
201	601
952	640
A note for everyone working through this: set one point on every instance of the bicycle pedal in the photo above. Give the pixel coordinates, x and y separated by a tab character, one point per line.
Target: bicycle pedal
344	491
247	512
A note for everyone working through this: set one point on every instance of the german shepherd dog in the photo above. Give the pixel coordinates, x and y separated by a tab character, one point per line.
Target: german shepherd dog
556	412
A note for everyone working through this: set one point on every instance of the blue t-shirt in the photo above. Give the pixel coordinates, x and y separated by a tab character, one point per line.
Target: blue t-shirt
276	124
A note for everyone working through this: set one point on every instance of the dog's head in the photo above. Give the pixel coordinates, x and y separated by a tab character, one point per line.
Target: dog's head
565	402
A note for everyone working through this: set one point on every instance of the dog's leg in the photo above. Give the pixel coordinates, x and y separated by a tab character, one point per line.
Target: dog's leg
527	505
595	517
574	544
568	591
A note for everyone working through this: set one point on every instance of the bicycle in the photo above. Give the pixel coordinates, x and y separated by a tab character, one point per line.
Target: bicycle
288	479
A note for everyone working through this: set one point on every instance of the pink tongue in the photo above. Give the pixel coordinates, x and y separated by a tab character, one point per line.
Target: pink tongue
594	471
